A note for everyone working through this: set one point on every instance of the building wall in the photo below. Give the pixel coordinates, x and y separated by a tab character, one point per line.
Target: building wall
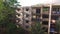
19	16
31	15
27	17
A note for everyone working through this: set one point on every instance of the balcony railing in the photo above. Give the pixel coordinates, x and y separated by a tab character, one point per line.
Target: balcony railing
52	29
55	12
45	12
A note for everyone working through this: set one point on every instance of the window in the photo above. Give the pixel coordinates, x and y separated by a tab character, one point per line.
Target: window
17	20
52	29
45	22
55	9
18	9
37	10
45	8
27	26
18	14
27	21
45	16
52	25
38	19
55	17
27	9
27	15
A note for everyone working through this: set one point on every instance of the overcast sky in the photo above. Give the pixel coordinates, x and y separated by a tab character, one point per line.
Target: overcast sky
33	2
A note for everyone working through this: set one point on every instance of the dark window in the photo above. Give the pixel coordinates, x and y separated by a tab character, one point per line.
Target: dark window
55	17
51	32
55	9
43	28
27	26
18	9
18	14
38	19
27	21
52	29
27	9
52	25
46	29
45	22
37	10
27	15
18	19
45	16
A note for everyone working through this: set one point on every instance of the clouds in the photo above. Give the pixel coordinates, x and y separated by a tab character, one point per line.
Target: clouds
33	2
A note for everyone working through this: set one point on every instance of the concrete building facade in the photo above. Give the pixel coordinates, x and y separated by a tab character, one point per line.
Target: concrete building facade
46	14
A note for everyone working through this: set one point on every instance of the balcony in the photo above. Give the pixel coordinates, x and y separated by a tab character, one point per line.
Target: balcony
38	20
27	12
33	19
45	16
45	19
52	29
36	13
45	26
18	20
56	12
38	10
53	12
55	17
45	12
45	22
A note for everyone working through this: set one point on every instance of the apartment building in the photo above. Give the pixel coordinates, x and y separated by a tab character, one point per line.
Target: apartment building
23	17
46	14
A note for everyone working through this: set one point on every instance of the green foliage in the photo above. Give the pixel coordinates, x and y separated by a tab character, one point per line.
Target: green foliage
45	9
58	25
37	29
7	13
5	9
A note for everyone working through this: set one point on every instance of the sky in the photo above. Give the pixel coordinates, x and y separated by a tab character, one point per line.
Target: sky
33	2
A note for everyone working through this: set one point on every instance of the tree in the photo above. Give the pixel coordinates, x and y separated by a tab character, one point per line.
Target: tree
58	26
37	28
6	9
7	14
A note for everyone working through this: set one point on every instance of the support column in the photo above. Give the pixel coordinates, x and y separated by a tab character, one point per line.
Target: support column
49	18
41	13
